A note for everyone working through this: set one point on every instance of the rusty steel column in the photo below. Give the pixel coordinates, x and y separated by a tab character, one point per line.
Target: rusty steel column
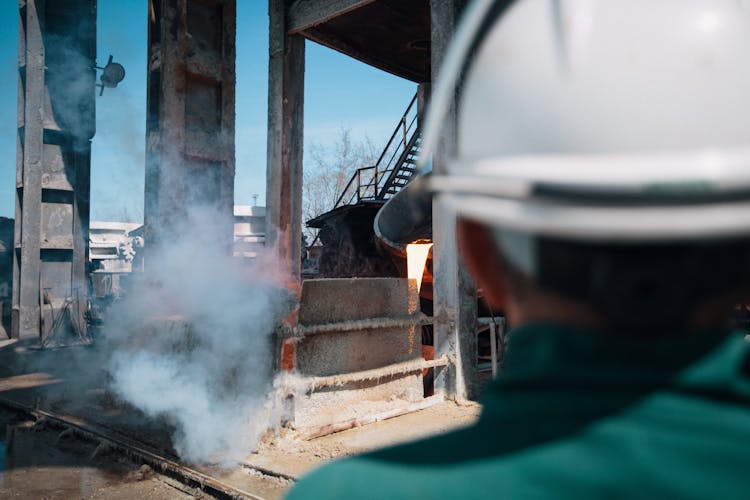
455	306
56	122
190	116
286	82
423	99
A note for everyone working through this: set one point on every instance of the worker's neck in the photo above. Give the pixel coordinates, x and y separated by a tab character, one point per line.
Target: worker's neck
540	306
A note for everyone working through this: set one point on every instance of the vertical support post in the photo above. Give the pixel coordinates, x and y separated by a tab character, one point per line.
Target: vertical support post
423	97
359	185
455	306
493	347
403	131
26	311
286	82
190	117
56	122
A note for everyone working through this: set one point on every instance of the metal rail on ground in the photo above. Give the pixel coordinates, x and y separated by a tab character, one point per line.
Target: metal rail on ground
182	473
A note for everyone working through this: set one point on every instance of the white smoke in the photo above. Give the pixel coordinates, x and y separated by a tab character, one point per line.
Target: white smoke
192	342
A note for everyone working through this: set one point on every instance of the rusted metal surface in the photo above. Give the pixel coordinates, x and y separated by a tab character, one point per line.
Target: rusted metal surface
304	14
392	35
56	121
349	246
190	114
286	69
407	38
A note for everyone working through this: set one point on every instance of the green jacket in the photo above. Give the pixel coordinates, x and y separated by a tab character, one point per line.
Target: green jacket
578	414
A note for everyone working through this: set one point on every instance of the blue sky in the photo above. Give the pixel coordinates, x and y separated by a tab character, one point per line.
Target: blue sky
339	93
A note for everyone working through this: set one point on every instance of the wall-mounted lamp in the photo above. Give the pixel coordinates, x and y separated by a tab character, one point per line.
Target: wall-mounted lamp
112	74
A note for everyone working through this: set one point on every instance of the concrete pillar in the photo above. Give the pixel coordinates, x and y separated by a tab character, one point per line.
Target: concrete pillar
455	305
286	82
56	122
190	115
423	100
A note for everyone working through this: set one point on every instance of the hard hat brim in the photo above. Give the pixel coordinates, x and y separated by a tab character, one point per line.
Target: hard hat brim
606	223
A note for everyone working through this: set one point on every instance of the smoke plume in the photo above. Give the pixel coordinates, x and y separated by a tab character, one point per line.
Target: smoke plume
192	342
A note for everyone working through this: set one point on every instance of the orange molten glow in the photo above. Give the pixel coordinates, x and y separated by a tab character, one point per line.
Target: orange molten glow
416	258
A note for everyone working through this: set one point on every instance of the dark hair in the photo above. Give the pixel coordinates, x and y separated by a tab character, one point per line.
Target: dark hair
642	289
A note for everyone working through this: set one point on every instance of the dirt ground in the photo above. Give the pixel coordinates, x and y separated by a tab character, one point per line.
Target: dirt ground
39	463
43	379
284	454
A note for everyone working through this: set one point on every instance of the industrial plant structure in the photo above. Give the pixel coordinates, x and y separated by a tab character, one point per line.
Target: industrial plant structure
356	343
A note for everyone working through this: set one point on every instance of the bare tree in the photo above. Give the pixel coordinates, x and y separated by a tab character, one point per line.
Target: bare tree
328	170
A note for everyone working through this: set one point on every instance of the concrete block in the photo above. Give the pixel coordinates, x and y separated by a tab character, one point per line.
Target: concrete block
353	349
344	352
340	300
344	299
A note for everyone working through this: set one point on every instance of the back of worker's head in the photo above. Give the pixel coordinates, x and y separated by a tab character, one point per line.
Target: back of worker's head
636	289
604	147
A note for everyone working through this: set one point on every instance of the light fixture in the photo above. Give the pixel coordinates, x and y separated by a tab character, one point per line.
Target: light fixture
112	74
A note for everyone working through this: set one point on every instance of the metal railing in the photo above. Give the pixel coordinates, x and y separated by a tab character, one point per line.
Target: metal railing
375	182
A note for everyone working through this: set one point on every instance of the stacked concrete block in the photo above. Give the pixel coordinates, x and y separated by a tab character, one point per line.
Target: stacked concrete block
343	333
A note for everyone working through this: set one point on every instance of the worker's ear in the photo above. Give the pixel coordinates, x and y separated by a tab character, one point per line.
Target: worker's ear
483	262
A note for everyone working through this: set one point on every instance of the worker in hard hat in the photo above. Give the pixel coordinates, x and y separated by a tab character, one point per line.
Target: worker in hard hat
601	182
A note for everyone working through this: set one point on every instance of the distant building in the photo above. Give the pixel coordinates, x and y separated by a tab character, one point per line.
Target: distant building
116	247
249	230
114	250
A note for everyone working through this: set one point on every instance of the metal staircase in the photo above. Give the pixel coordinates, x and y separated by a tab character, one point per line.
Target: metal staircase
395	166
400	177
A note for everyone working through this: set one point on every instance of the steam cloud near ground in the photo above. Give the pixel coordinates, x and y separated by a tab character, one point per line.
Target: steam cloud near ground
192	342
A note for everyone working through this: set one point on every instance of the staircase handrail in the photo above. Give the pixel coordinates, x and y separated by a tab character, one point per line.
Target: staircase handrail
396	130
407	127
393	172
356	177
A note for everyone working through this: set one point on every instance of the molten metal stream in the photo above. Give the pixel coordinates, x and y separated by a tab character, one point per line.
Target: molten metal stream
416	258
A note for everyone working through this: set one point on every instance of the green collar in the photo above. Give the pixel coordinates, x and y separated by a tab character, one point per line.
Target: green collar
550	364
549	349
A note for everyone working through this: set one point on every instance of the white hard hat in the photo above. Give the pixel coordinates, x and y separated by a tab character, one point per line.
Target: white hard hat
601	120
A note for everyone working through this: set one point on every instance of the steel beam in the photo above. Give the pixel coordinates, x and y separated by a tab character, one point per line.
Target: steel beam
56	121
286	80
190	116
455	305
304	14
423	98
